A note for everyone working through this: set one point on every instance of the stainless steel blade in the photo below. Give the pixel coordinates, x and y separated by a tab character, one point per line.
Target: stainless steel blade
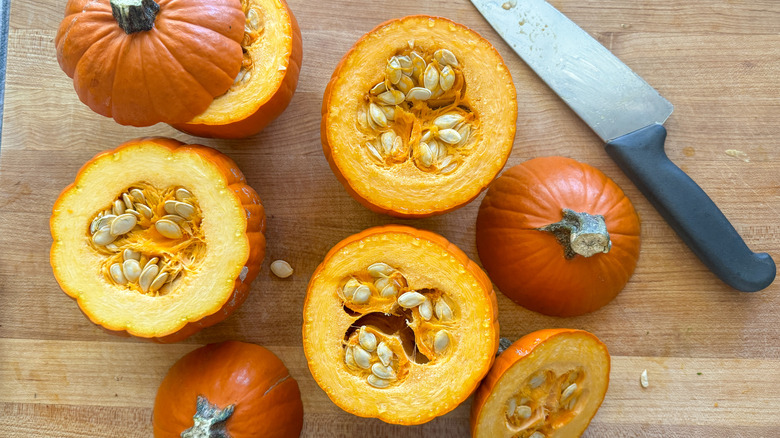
604	92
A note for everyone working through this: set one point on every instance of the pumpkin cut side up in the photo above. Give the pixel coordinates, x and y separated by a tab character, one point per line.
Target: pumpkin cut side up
158	239
230	389
548	384
558	236
418	117
399	325
273	51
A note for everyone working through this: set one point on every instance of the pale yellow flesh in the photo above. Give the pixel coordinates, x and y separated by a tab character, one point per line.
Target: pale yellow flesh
559	354
422	191
269	67
429	389
77	265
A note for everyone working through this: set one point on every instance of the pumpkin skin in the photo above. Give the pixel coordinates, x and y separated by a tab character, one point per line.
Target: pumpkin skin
169	74
436	378
563	357
529	265
400	185
266	399
230	220
249	106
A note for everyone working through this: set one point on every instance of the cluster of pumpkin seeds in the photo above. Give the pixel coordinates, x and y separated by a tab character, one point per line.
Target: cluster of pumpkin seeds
426	89
253	29
173	214
388	285
366	352
543	396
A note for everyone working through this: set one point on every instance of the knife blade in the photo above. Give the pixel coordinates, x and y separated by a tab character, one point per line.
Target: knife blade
628	114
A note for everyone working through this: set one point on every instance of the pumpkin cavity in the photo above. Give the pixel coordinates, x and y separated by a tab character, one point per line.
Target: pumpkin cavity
151	237
253	30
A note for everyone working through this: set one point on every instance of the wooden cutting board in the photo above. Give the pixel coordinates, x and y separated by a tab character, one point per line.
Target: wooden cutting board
712	354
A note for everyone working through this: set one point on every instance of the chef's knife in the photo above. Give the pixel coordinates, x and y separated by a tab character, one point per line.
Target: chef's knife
628	114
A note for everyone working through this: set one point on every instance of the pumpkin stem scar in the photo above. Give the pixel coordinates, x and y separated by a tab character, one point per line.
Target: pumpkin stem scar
580	233
134	15
209	420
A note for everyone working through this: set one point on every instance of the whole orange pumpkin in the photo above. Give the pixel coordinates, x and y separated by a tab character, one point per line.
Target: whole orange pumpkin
143	62
231	389
558	236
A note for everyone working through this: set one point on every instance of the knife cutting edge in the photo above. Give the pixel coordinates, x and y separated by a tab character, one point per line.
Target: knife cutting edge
628	114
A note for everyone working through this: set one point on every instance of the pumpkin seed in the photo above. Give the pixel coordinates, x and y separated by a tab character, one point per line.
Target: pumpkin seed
446	78
122	224
374	152
112	247
253	18
147	276
378	88
138	195
441	152
464	132
391	97
426	157
445	57
441	341
174	218
410	300
103	237
381	283
537	434
144	209
404	61
131	269
380	269
537	380
133	212
419	93
385	354
387	139
168	228
510	407
443	311
418	64
362	357
129	254
349	359
643	379
389	111
426	310
446	162
170	206
377	115
158	282
446	121
523	412
152	261
362	294
367	339
405	84
393	70
431	78
389	291
449	168
184	210
116	274
450	136
126	199
426	136
376	382
281	268
382	371
183	194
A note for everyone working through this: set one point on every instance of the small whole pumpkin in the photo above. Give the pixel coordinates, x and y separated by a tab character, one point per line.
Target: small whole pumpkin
418	117
549	383
158	239
220	69
230	389
399	325
558	236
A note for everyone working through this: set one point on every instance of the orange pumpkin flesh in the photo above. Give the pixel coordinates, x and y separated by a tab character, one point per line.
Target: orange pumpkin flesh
399	325
103	252
170	73
436	150
549	383
265	85
528	240
238	388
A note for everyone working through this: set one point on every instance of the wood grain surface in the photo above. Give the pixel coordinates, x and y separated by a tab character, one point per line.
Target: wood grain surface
712	353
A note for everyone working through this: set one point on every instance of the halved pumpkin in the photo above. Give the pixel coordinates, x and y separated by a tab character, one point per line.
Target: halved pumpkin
418	117
548	384
158	239
399	325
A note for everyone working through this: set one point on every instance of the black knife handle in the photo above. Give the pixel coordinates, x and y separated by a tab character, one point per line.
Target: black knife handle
689	211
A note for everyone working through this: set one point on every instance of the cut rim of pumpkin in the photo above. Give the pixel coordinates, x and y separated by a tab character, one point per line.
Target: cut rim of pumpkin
271	47
423	109
416	345
548	384
203	260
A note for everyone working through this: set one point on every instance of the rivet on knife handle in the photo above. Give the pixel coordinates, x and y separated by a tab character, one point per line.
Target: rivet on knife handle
689	211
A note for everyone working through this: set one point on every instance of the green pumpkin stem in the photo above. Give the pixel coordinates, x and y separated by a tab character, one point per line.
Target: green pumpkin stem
580	234
134	15
209	420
